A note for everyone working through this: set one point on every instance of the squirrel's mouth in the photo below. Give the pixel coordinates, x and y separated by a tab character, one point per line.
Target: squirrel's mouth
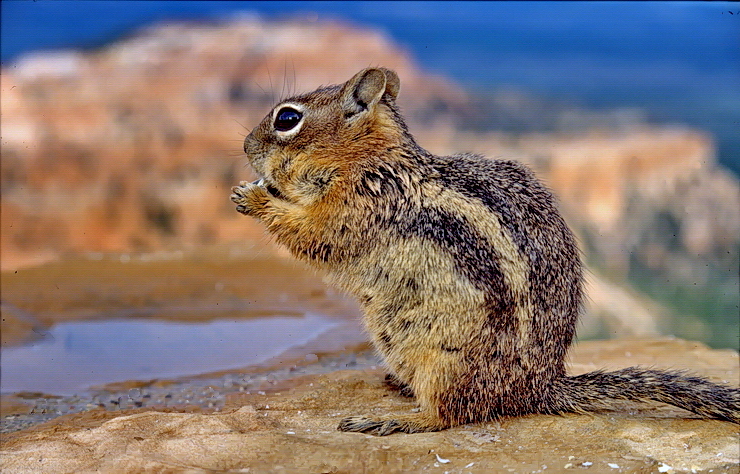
269	187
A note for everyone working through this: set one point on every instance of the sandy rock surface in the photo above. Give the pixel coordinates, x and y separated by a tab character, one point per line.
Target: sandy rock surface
292	428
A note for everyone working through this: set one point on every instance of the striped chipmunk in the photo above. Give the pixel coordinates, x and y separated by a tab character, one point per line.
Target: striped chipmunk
469	279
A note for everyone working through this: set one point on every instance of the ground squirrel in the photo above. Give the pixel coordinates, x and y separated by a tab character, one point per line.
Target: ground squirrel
469	278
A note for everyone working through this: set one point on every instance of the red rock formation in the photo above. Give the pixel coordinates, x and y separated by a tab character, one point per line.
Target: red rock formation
135	146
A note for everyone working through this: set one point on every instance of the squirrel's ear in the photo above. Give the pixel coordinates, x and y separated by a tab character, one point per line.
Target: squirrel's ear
392	83
367	87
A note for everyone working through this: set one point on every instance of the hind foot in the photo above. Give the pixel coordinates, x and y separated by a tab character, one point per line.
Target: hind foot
382	426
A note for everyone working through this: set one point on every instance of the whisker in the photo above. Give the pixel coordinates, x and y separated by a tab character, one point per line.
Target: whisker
269	78
295	89
285	77
239	123
256	84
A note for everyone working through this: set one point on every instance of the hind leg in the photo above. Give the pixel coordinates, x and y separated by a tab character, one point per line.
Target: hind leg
431	378
427	419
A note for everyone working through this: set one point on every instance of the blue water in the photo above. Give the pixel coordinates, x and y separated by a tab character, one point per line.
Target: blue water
76	355
680	61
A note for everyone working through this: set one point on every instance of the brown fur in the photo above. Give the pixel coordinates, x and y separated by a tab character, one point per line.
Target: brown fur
469	278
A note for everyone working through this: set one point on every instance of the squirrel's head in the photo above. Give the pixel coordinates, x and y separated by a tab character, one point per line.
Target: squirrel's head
319	135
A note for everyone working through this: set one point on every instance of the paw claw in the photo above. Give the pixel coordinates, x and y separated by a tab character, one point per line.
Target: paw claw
237	198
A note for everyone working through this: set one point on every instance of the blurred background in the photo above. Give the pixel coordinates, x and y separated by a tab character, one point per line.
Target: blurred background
122	125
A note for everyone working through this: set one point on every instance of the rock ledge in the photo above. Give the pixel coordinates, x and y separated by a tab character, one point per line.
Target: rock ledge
291	427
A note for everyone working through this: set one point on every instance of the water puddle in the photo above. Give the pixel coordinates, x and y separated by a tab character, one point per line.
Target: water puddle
77	355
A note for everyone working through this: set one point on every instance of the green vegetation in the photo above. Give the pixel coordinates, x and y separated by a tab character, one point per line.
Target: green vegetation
716	305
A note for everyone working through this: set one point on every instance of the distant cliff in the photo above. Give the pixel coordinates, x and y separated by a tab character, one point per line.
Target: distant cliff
137	145
134	147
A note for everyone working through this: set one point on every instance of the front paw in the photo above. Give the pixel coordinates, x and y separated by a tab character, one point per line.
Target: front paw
250	198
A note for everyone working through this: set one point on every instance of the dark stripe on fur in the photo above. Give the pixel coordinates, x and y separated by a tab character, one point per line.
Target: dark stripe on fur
526	210
475	258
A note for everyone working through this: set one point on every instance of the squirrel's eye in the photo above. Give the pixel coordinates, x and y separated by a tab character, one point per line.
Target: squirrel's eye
286	119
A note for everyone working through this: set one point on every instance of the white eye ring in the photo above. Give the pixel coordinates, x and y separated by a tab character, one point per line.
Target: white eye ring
288	133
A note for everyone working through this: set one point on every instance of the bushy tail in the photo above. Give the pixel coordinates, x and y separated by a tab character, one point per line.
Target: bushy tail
594	390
